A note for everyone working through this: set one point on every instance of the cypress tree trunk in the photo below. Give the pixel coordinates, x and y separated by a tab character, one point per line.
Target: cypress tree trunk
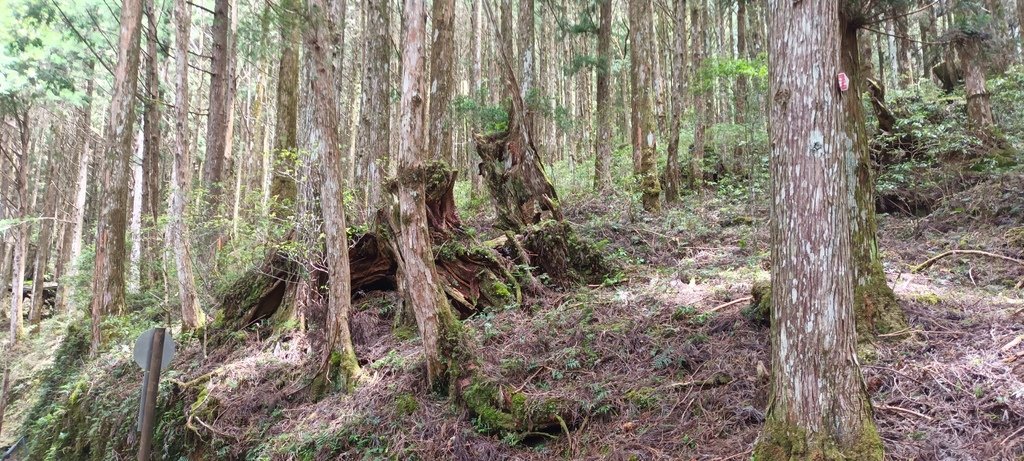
44	243
192	316
21	230
439	329
819	409
698	20
108	282
283	189
442	80
149	274
603	155
644	128
979	107
373	147
325	109
218	130
673	178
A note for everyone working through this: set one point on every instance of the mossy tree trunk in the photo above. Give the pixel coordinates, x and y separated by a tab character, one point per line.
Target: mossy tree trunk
819	409
876	306
641	50
342	358
440	330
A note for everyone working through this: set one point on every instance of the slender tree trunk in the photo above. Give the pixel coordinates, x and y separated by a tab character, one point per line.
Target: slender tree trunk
373	147
644	128
437	323
221	104
673	178
21	230
192	316
819	409
603	156
108	281
979	106
73	239
528	62
903	44
875	304
44	242
342	353
700	85
442	80
283	189
741	80
150	270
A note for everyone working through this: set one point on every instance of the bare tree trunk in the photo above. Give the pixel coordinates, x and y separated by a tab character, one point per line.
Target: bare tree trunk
673	178
603	156
221	104
192	316
149	276
903	45
108	281
698	20
442	80
21	230
283	189
437	324
44	243
979	107
342	353
528	61
644	128
374	140
73	243
819	409
875	304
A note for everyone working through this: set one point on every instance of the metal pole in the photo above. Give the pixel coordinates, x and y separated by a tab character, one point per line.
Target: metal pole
152	384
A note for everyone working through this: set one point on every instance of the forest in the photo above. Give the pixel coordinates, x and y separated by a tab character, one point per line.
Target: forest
512	230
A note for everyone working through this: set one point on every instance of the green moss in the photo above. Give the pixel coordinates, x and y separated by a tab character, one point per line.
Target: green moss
783	442
406	404
930	299
760	309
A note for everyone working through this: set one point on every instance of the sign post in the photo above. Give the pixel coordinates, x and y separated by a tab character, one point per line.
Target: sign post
153	352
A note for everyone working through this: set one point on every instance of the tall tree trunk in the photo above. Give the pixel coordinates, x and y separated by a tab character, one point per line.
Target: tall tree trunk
819	409
437	323
645	127
701	86
192	316
150	270
44	242
875	304
283	189
342	353
73	239
442	80
741	80
373	147
903	45
673	179
979	107
21	230
505	51
603	156
528	62
108	282
221	104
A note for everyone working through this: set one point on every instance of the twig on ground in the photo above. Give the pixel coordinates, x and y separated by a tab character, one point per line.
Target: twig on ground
926	264
730	303
904	410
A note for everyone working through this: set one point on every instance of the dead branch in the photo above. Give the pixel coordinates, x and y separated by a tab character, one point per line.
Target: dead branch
926	264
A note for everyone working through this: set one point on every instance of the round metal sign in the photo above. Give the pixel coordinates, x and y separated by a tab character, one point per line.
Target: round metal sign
145	342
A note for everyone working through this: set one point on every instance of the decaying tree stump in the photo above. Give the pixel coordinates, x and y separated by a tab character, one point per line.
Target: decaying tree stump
475	276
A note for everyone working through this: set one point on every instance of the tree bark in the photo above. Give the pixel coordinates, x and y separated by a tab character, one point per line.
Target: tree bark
528	64
283	189
673	178
21	230
218	129
819	409
73	239
149	275
439	329
373	147
645	127
108	280
341	351
876	307
979	106
700	85
192	316
603	156
442	80
44	243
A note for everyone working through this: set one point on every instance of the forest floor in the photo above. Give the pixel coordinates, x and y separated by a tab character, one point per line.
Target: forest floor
659	363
